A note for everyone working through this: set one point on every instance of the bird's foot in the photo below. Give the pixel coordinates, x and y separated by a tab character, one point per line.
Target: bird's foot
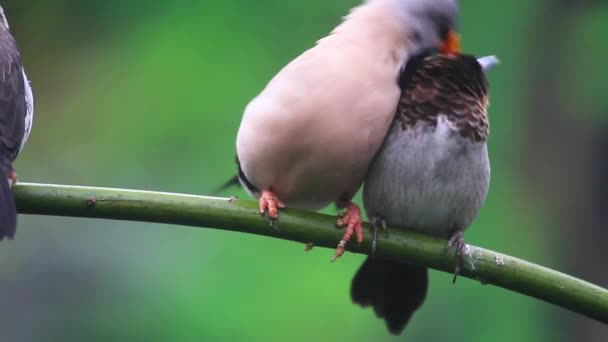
457	240
12	176
270	204
351	219
377	223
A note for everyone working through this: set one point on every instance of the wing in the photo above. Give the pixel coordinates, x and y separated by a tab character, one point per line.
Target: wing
454	86
13	106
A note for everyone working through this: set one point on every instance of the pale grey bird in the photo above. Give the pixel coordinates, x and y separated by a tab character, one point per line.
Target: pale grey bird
431	175
16	116
308	138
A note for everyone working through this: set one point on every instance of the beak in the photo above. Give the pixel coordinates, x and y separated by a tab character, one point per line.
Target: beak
451	44
488	62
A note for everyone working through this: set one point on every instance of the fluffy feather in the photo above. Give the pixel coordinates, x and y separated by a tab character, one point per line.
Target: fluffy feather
313	131
431	175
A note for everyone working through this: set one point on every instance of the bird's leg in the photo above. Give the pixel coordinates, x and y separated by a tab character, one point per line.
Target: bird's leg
12	176
270	204
377	222
351	219
457	240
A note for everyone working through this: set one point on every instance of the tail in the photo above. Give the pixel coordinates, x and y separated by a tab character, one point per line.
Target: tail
234	181
393	289
8	211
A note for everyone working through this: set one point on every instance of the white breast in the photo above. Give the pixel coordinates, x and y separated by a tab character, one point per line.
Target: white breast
428	179
29	116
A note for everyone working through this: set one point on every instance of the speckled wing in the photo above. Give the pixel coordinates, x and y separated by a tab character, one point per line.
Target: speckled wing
454	86
13	109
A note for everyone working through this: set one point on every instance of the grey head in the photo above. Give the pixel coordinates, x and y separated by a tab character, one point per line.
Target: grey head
429	22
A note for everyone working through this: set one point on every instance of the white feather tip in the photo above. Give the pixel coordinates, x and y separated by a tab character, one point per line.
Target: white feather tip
488	62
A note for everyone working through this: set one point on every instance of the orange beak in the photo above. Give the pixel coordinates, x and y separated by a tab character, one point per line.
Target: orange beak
451	44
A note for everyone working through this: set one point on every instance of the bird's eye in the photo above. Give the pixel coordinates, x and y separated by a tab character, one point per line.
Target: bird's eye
416	36
443	30
443	23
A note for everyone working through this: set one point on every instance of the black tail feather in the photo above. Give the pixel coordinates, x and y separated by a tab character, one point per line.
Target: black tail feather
395	290
234	181
8	211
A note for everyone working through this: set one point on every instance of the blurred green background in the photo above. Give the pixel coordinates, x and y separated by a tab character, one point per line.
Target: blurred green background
149	94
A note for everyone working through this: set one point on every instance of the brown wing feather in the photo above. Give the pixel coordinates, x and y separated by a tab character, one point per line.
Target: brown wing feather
454	86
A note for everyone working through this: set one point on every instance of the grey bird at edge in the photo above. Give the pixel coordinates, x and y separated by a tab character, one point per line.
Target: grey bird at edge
308	139
16	116
431	175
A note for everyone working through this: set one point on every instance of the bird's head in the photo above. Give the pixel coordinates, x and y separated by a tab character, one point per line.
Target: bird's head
3	21
431	24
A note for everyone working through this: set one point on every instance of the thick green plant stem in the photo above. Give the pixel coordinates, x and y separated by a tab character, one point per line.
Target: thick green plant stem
487	266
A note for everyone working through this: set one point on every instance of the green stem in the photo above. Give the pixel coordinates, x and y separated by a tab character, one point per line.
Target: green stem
240	215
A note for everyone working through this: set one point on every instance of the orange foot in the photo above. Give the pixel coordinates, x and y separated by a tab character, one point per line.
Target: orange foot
270	203
12	175
351	219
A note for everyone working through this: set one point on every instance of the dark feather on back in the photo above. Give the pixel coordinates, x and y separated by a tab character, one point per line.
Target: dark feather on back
452	85
12	102
13	110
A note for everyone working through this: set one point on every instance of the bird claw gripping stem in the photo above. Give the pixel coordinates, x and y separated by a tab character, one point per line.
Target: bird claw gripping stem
351	219
457	241
270	204
377	223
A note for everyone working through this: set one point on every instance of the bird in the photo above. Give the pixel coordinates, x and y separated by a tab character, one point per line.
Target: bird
16	117
431	175
307	139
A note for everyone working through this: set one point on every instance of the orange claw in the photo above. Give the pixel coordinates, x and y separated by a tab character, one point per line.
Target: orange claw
270	203
351	219
339	250
12	175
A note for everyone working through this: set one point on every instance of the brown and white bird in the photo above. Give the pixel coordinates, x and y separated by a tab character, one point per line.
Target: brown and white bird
431	175
16	116
308	138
